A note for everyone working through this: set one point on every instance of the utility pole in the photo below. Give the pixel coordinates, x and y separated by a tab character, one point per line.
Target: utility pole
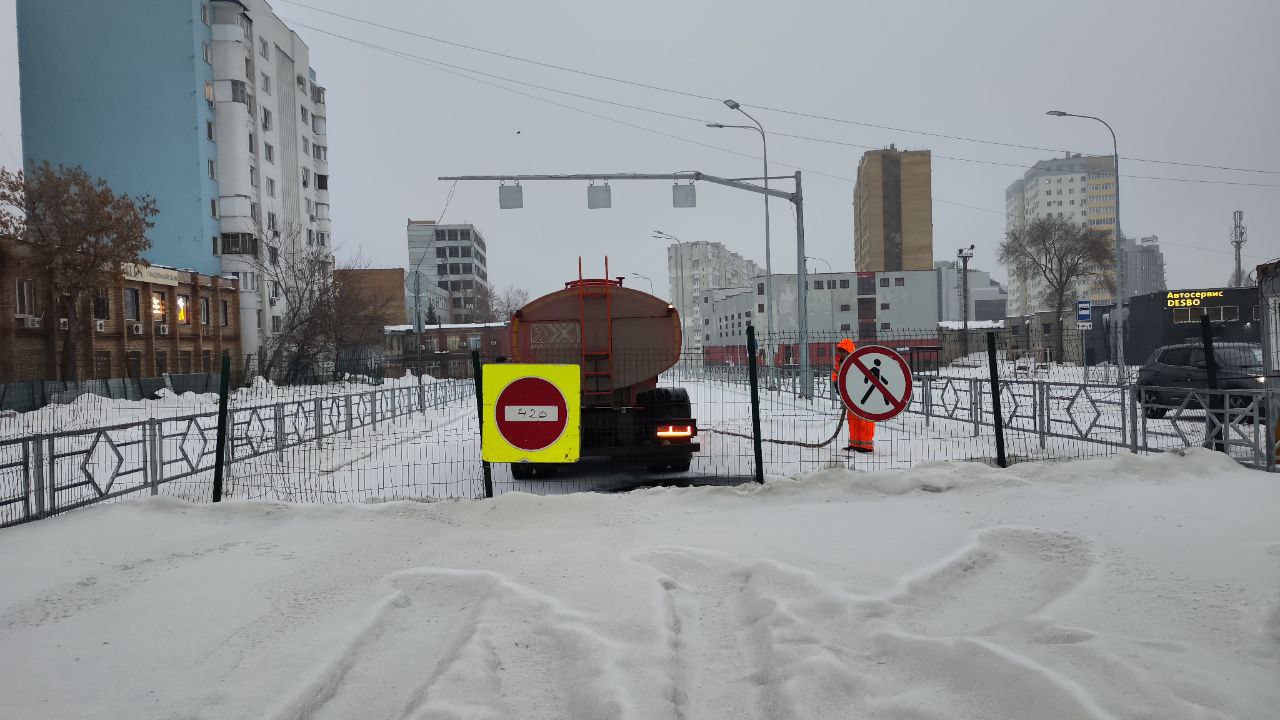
1239	236
965	254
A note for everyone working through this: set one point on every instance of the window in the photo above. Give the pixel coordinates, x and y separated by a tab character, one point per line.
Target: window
266	118
306	177
239	92
320	152
845	326
884	282
322	182
884	326
204	13
884	306
26	292
162	363
265	84
276	324
271	187
455	268
275	289
817	284
831	284
760	291
866	285
273	254
844	284
207	53
204	312
184	309
269	152
264	48
866	308
900	282
213	207
101	307
213	170
455	251
248	69
159	305
208	92
845	308
306	146
442	269
225	311
208	129
306	117
760	307
131	304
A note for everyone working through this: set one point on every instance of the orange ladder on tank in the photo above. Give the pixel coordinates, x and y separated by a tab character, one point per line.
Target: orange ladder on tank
597	362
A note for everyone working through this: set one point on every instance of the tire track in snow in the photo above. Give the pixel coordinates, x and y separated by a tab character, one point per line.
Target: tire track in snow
765	640
461	644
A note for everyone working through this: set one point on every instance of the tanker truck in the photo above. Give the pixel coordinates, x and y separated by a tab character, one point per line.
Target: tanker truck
622	339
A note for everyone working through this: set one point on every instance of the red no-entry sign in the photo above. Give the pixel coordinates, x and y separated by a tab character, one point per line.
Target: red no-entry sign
531	413
875	383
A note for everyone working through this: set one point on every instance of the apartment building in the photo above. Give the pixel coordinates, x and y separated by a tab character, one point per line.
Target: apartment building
893	211
211	107
693	270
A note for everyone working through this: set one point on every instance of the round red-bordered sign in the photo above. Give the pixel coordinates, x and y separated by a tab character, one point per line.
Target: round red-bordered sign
531	413
881	383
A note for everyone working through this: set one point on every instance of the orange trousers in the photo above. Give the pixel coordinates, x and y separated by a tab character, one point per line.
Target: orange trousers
862	433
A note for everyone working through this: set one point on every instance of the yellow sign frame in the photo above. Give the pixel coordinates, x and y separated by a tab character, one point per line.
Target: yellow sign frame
566	378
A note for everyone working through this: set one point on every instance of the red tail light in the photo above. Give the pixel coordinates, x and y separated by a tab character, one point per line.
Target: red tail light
675	431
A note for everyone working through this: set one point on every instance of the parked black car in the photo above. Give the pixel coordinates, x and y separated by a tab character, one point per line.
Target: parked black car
1173	371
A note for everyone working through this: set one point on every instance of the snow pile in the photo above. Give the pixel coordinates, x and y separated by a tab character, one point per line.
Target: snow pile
1124	587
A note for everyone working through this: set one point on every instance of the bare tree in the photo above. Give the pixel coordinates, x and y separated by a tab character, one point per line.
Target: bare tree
319	316
507	301
77	235
1064	255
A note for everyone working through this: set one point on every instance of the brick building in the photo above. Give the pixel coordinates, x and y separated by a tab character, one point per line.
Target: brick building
446	349
155	320
382	287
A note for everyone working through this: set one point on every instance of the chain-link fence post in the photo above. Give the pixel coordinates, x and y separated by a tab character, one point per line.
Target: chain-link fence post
220	446
995	399
756	442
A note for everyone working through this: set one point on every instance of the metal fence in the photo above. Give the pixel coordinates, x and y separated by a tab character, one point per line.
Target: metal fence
405	438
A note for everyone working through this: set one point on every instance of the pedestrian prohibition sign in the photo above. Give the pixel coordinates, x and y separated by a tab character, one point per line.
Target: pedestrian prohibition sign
531	413
875	383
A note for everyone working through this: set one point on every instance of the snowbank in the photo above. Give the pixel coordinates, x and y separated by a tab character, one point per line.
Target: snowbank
1124	587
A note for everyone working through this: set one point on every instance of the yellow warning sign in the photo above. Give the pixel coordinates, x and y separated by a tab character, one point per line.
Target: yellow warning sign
532	413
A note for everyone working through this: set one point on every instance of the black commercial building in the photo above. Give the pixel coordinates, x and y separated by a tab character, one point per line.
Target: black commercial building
1173	316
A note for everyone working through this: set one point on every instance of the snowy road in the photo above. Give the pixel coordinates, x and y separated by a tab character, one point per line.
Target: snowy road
1128	587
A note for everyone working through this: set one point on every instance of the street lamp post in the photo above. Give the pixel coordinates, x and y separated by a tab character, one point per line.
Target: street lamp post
1120	289
645	277
768	259
831	293
659	235
965	254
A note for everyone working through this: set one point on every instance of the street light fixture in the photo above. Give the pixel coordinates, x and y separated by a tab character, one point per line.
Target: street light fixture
831	294
768	259
680	256
645	277
1120	289
965	255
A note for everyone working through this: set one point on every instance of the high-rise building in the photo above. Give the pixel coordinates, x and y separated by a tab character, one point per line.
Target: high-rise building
1079	188
214	111
893	211
694	268
1143	266
453	263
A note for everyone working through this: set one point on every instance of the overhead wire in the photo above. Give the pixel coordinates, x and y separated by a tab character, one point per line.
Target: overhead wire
785	111
462	72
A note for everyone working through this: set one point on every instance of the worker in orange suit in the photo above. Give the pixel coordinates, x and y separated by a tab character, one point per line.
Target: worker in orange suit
862	433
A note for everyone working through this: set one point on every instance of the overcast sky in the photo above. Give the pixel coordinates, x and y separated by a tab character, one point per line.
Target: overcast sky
1179	81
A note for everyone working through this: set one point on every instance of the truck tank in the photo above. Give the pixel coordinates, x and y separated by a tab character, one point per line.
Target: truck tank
623	338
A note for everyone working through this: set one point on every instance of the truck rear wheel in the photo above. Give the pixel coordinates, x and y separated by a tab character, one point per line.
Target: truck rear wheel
665	402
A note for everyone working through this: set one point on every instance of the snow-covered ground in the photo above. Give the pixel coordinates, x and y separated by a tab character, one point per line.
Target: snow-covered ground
1128	587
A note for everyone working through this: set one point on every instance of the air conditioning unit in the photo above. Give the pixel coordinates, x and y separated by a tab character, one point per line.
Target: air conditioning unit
99	325
63	324
29	322
163	329
135	329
